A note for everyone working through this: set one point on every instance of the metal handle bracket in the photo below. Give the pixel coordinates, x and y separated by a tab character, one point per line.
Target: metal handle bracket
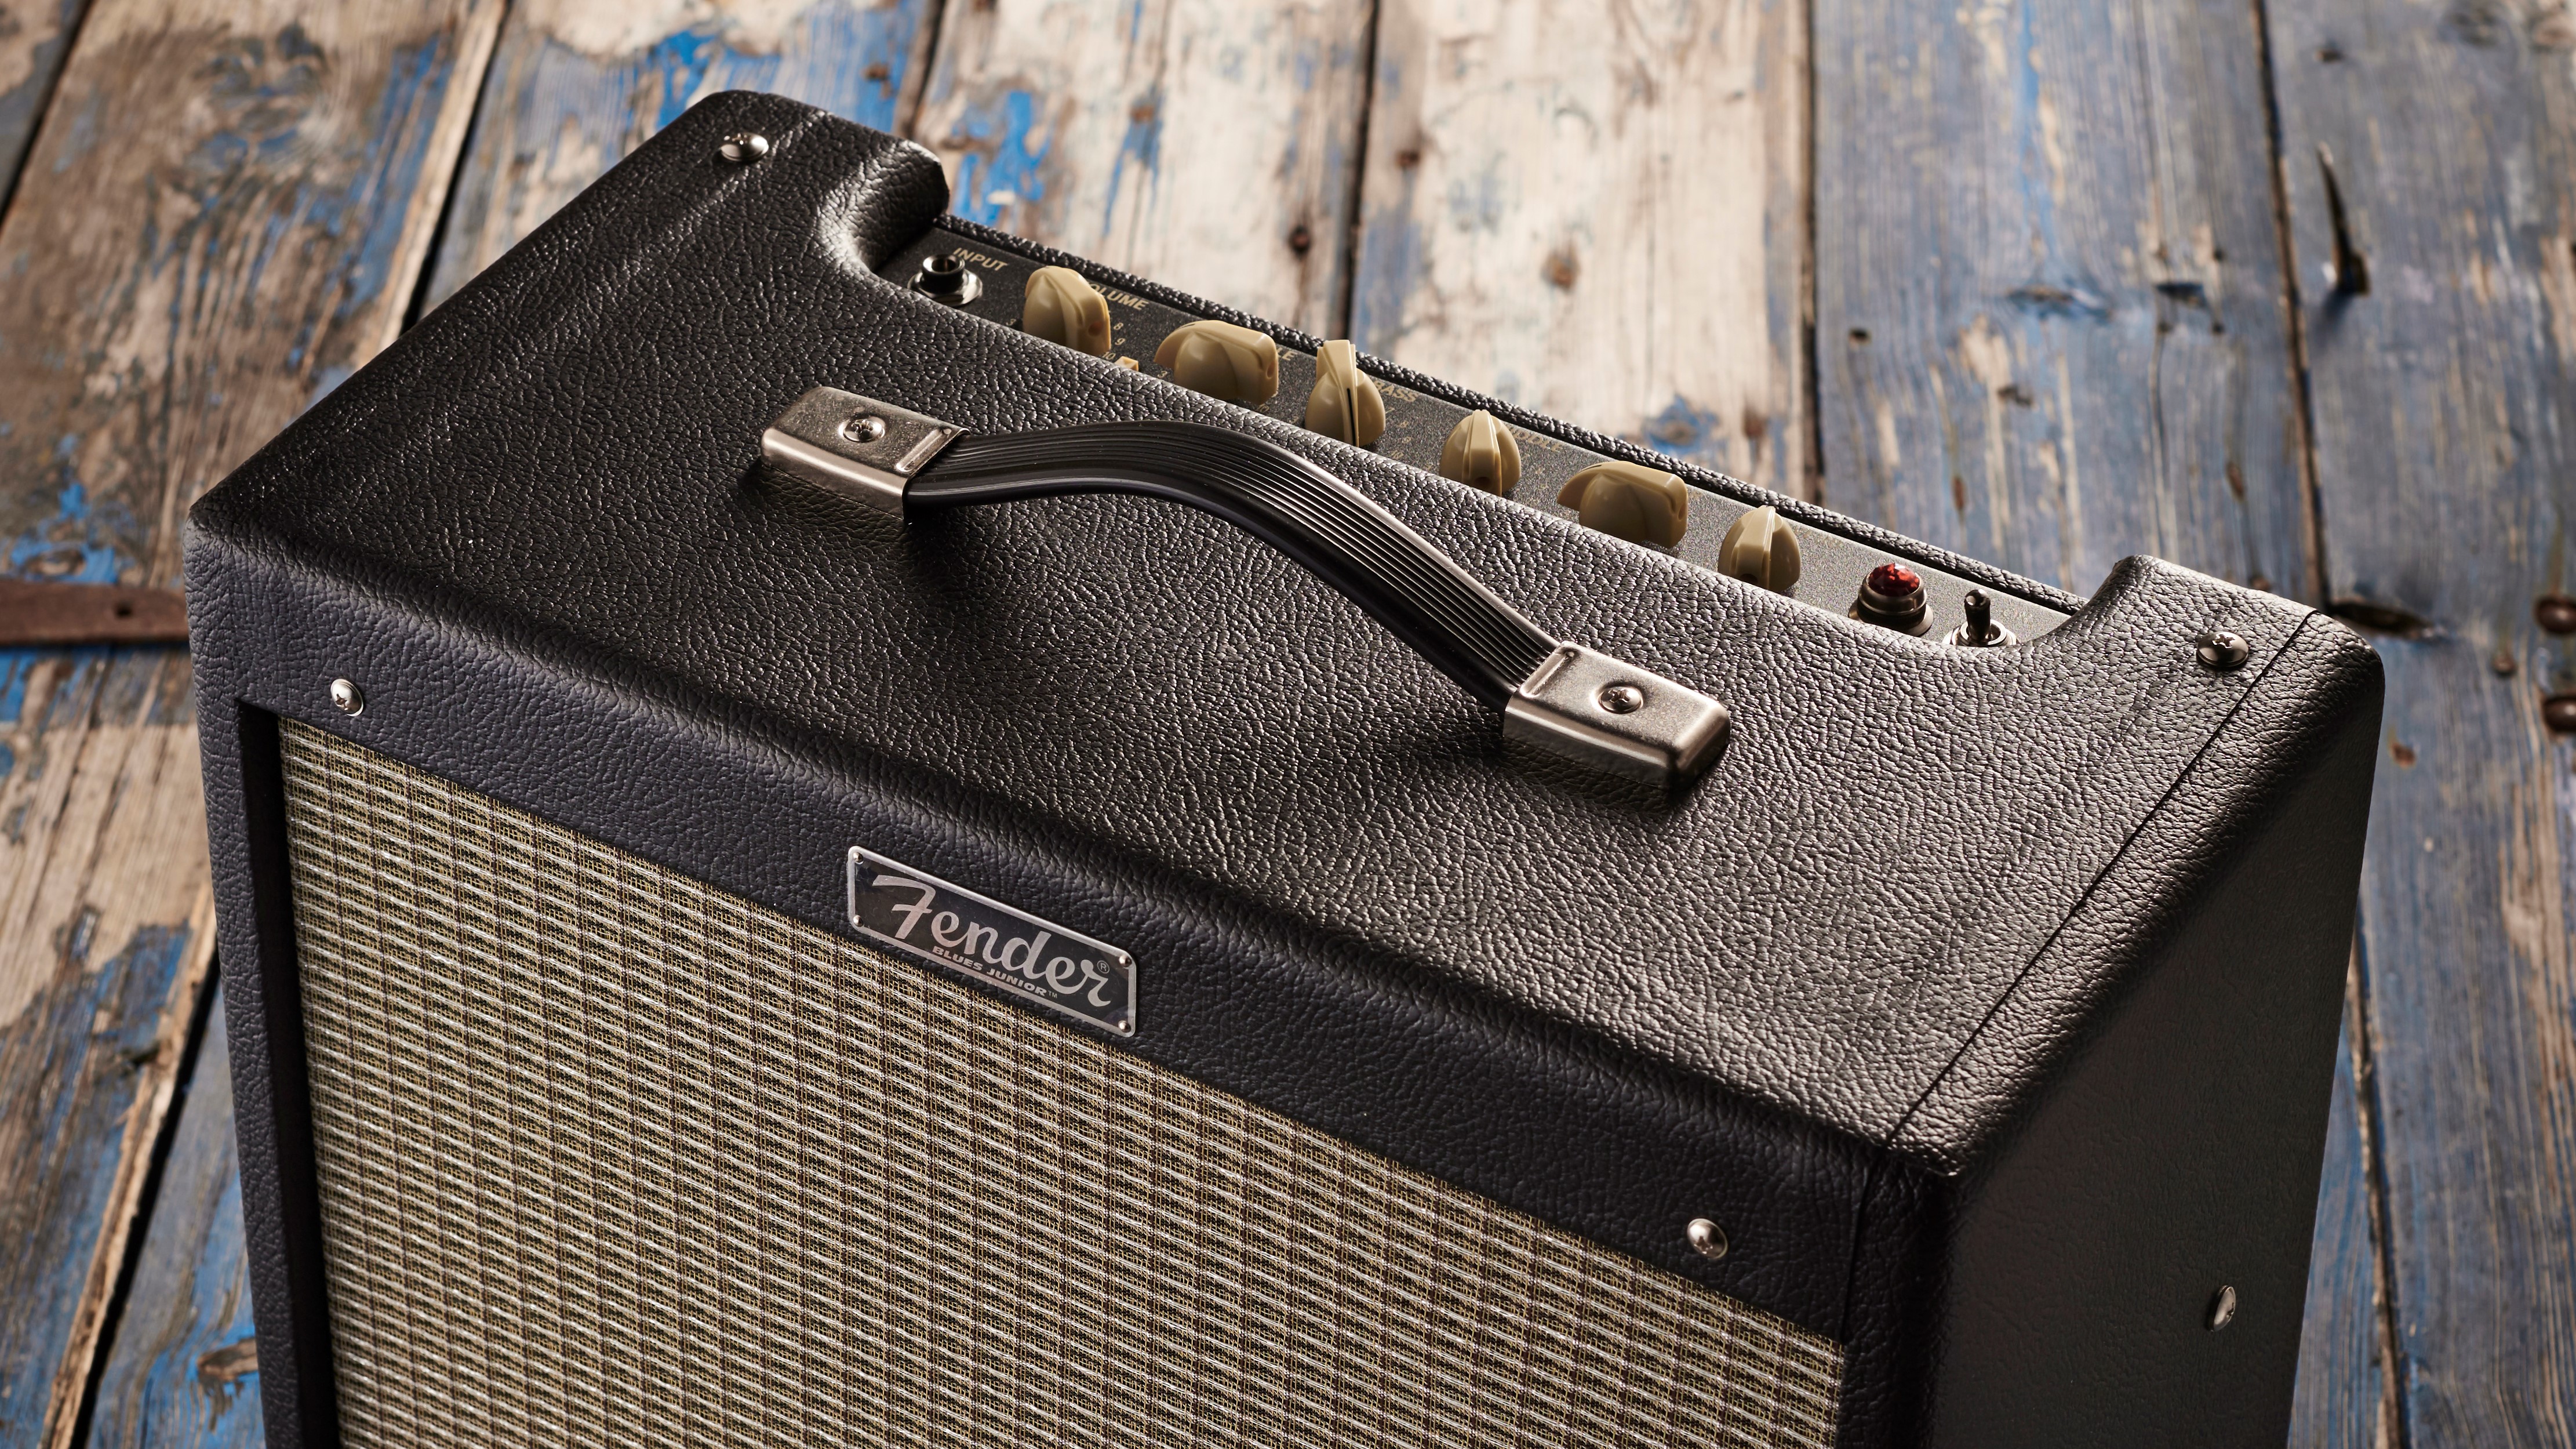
1616	718
862	449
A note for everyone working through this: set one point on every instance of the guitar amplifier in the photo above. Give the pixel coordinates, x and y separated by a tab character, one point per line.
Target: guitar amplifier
832	827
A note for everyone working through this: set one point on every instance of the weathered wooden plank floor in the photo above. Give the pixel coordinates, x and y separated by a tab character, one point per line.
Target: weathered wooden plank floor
1599	211
2446	473
2044	282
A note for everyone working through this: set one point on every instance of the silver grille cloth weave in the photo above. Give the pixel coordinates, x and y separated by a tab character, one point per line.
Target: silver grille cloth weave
609	1157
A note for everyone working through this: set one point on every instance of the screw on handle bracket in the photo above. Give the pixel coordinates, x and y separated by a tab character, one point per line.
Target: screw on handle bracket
862	449
1616	717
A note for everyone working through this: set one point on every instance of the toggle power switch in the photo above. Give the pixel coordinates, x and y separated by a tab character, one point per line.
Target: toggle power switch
1345	403
1234	364
1481	454
1981	631
1630	501
1064	308
1761	549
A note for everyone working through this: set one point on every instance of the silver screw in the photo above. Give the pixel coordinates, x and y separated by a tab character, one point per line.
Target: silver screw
864	428
349	698
2223	651
2222	1308
1706	1238
1623	699
743	146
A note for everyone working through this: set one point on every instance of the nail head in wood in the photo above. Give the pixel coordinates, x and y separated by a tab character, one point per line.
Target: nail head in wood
48	613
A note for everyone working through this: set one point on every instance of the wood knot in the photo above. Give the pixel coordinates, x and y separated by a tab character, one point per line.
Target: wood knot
218	1370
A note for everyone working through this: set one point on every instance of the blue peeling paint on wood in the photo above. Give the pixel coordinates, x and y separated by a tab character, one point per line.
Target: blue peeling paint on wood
555	116
2340	1379
76	544
2050	323
68	1072
1209	147
79	1055
1390	260
2445	405
1002	168
41	31
1143	146
1683	429
1389	269
391	176
207	233
184	1368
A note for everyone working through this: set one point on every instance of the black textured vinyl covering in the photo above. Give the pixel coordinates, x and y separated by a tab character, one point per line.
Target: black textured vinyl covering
1920	991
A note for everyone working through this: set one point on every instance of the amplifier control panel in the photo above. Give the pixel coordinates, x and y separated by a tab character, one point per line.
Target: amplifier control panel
1331	392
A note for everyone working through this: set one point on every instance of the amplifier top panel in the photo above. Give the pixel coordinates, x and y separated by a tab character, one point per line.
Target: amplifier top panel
988	274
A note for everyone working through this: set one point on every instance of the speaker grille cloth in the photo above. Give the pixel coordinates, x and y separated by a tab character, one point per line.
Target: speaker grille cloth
608	1156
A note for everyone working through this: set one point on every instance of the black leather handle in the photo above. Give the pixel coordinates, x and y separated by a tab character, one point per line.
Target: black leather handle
1306	513
1578	702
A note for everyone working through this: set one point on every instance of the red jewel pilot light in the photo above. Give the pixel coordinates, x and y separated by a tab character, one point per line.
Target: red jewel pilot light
1892	596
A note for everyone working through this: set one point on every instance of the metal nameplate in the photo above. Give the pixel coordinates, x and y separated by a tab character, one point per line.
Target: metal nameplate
979	938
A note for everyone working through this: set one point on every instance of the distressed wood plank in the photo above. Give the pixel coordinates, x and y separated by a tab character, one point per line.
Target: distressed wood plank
39	614
185	1369
34	34
2051	327
576	84
2465	919
1599	212
2445	406
225	214
106	930
2345	1400
1208	144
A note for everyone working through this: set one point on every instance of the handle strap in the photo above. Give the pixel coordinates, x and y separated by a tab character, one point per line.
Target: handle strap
1560	695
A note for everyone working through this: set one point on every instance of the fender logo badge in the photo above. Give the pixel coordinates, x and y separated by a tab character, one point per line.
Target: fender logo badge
983	940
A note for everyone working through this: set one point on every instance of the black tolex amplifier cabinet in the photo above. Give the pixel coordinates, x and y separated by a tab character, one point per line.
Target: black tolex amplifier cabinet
821	841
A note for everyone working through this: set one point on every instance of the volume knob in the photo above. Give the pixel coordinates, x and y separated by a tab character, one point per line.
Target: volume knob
1063	308
1481	454
1222	360
1345	403
1760	549
1630	501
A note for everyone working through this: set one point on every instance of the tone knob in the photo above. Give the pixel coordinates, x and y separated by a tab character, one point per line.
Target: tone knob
1481	454
1761	549
1222	360
1345	403
1067	310
1630	501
